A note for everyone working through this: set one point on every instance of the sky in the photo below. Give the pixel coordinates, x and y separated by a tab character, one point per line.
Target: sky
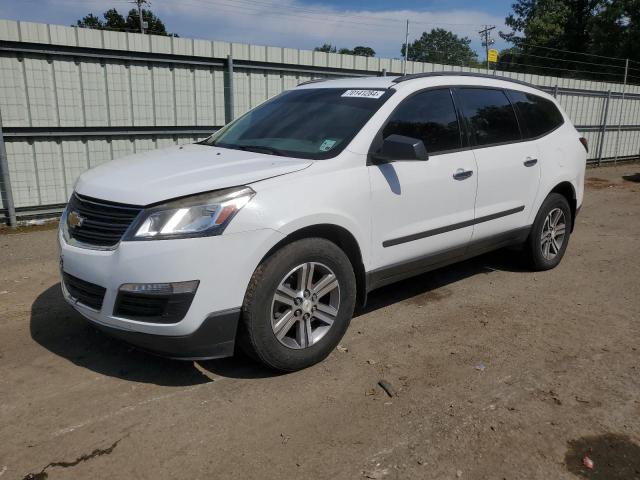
305	24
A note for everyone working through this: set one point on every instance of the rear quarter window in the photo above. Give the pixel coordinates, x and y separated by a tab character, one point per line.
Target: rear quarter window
539	115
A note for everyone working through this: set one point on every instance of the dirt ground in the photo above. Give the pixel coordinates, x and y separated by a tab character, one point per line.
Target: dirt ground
499	373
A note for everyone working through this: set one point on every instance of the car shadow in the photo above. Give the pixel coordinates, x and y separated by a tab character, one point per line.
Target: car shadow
632	178
61	330
505	260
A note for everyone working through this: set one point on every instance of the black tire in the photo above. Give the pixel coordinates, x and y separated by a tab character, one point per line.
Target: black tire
256	335
533	246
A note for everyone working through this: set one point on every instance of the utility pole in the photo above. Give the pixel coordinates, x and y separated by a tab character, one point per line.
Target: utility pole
406	48
485	34
624	88
139	3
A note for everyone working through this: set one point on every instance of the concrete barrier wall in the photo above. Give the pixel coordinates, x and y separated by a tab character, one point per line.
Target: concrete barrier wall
73	98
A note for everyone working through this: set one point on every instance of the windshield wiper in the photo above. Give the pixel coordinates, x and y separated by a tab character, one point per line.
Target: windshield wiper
261	149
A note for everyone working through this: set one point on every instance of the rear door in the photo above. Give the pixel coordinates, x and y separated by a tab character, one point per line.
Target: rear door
508	167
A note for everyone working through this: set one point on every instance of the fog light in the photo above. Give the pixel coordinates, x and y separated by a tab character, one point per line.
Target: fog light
155	302
161	288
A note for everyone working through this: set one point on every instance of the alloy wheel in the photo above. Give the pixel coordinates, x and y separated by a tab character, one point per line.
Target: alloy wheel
305	305
553	234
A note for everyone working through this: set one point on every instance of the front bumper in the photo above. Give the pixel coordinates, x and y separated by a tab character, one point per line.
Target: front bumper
223	264
215	338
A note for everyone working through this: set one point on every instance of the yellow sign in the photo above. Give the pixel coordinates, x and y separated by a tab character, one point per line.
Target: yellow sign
493	55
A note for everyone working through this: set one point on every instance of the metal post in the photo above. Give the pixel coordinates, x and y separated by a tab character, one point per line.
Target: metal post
603	126
229	90
406	48
5	182
624	88
555	91
485	34
486	47
140	2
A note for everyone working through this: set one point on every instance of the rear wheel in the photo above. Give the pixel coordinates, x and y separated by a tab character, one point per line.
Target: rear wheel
298	305
550	233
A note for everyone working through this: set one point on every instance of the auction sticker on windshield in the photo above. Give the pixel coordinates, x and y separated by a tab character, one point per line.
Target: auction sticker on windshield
363	93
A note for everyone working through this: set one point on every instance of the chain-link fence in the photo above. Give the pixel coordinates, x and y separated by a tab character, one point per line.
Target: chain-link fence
74	98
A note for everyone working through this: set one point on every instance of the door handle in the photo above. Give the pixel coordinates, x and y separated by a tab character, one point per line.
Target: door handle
462	174
530	162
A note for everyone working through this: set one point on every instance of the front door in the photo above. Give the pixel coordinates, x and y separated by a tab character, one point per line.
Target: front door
422	209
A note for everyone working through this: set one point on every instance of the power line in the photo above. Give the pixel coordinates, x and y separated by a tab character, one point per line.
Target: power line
252	8
247	10
561	69
526	54
348	15
567	51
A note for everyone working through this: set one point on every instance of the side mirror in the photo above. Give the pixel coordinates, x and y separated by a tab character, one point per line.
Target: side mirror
398	147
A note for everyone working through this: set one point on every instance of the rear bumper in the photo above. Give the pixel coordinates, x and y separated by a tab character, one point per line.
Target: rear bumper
215	338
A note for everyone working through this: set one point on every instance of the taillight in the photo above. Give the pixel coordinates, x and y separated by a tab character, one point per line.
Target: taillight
584	143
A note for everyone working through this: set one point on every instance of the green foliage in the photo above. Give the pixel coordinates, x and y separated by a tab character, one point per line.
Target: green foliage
327	48
359	50
441	46
600	27
90	21
156	26
113	20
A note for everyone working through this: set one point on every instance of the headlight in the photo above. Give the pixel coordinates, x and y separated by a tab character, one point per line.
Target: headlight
196	216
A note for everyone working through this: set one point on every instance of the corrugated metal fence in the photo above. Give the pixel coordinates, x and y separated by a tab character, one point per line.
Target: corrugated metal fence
73	98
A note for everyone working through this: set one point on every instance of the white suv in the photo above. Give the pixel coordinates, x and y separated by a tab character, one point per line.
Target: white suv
270	232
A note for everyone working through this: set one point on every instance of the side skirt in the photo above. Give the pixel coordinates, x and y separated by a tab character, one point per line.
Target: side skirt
410	268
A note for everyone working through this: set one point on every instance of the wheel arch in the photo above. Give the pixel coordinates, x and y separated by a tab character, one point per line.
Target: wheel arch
343	238
567	190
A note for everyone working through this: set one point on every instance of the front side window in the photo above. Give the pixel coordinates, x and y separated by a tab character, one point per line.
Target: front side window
489	115
540	115
307	123
429	116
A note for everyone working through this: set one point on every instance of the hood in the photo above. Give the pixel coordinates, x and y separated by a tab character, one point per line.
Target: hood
159	175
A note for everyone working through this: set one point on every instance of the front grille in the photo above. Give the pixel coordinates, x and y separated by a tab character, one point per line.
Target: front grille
98	222
86	293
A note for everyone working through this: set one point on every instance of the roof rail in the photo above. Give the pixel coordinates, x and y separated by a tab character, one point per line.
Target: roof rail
313	80
413	76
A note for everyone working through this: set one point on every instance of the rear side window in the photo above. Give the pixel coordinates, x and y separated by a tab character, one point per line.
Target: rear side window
429	116
490	115
540	116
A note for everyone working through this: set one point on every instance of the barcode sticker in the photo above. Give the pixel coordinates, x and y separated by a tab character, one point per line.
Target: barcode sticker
363	93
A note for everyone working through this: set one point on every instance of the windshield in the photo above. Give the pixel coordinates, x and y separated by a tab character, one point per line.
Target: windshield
307	123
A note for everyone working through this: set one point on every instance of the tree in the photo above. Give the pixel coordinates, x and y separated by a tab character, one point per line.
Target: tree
327	48
155	25
562	24
359	50
441	46
113	20
557	37
90	21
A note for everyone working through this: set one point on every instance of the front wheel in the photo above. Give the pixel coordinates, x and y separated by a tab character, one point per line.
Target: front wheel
550	233
298	305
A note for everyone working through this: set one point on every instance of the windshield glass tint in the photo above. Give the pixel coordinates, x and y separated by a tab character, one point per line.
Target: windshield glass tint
307	123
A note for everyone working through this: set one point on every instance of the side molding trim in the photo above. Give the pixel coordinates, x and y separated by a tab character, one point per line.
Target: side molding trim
449	228
415	266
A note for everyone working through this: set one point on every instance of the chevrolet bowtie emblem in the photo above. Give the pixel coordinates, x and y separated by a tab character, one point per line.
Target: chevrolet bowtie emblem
74	219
